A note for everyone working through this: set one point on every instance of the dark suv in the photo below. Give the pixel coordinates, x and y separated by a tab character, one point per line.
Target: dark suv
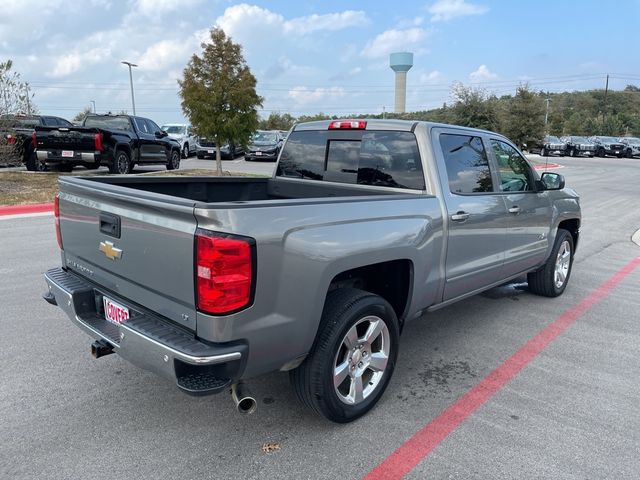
579	146
551	145
608	146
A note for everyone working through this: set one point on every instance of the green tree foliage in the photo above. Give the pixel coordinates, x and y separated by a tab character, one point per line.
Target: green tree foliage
219	93
15	96
277	121
473	107
79	117
524	119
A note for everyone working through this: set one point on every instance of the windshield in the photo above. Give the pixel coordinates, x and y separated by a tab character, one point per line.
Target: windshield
180	129
635	141
114	123
609	139
264	137
551	138
580	139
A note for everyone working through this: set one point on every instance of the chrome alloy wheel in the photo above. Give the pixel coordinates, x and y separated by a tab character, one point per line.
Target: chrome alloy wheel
361	360
563	261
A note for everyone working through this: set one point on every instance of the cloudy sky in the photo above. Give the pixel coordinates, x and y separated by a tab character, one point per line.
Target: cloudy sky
311	56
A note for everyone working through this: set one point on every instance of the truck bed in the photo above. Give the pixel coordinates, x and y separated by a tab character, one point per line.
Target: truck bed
230	189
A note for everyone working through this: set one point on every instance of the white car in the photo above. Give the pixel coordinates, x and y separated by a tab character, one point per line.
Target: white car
183	133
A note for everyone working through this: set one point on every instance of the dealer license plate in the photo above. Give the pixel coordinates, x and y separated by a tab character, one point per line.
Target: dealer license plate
258	154
209	151
114	312
67	153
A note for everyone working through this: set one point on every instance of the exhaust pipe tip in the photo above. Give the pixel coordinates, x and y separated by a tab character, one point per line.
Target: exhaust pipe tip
243	399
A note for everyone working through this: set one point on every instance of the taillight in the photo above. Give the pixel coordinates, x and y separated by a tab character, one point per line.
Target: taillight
98	141
348	125
11	140
34	140
56	214
224	272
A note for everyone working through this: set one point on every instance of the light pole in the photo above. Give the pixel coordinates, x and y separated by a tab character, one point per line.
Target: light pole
133	101
94	105
546	115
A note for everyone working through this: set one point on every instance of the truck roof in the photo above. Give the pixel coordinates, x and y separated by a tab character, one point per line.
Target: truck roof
384	124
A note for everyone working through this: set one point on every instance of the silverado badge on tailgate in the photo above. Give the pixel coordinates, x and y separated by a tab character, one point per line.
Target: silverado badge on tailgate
110	250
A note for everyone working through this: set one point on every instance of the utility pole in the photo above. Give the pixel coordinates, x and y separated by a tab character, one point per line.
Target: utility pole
604	108
384	113
133	101
94	105
546	115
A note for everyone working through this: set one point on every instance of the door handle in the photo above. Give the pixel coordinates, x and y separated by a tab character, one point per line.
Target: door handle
514	209
459	216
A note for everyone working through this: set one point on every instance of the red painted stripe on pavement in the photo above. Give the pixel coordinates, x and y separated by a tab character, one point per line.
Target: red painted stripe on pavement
414	450
20	209
547	166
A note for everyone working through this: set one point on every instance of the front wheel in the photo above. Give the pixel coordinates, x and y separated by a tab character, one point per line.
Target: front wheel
174	161
353	357
543	152
185	151
551	279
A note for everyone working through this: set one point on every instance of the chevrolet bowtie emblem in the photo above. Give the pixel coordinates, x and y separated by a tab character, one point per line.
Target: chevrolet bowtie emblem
110	250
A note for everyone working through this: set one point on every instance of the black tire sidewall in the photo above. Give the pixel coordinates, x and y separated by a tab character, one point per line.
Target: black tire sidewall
327	399
116	163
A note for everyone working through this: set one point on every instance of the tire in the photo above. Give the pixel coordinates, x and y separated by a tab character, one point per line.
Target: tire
543	152
572	152
348	315
185	151
551	279
35	165
199	156
600	153
628	153
174	161
121	164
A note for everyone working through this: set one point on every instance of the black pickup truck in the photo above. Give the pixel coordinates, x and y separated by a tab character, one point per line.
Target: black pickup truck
116	141
16	138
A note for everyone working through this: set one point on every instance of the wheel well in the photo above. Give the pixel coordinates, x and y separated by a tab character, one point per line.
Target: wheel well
391	280
125	149
573	227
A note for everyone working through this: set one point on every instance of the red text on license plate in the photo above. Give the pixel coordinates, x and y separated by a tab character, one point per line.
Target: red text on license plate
114	312
67	153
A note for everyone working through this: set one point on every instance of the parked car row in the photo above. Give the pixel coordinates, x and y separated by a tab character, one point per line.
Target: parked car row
595	146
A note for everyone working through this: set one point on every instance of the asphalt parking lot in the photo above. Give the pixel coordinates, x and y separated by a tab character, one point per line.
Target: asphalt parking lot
569	411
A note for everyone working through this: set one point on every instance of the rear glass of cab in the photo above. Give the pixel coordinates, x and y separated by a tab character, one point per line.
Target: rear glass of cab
378	158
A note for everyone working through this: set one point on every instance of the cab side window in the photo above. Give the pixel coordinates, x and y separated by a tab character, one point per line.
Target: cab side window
467	164
141	125
513	170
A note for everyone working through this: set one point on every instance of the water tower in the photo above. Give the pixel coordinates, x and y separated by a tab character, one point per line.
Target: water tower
401	63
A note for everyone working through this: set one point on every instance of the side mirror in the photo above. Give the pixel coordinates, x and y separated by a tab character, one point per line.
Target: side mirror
552	181
161	134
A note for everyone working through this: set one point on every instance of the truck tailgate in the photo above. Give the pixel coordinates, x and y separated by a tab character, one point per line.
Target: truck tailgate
138	248
66	138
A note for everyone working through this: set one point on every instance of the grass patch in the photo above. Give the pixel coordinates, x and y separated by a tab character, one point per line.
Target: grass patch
23	187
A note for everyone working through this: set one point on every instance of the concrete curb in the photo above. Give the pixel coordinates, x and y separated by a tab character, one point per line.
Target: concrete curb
24	209
635	238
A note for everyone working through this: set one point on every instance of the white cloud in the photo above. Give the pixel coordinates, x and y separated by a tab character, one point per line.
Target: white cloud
482	74
304	95
409	22
445	10
355	71
72	62
245	21
430	77
166	53
154	8
394	41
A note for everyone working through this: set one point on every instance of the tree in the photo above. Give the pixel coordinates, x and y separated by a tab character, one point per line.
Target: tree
219	93
277	121
524	120
14	93
474	108
80	115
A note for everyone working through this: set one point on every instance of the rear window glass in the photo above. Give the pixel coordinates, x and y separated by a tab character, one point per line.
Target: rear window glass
380	158
108	123
467	164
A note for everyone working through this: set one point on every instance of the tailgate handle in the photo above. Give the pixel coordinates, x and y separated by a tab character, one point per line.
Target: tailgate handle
110	224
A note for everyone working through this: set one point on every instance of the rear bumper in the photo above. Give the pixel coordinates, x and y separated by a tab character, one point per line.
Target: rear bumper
147	341
55	156
262	156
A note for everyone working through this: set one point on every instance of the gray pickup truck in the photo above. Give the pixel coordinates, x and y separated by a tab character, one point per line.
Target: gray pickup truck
365	225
